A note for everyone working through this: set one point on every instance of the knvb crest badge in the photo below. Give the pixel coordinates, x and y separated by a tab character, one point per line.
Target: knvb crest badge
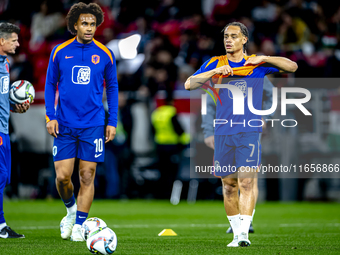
81	75
4	85
241	85
95	59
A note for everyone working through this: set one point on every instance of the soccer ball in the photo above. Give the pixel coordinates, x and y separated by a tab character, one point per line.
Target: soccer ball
21	91
91	226
102	242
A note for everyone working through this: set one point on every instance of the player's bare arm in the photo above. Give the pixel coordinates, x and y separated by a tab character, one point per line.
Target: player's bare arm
21	108
210	142
110	133
194	82
53	128
284	64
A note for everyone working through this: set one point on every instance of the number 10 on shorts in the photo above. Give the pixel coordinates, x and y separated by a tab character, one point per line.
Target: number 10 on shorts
99	145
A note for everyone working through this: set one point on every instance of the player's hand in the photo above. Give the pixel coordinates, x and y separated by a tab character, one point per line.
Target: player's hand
110	133
224	70
210	142
53	128
21	108
255	60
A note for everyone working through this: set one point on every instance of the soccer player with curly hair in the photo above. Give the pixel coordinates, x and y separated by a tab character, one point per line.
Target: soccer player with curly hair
79	67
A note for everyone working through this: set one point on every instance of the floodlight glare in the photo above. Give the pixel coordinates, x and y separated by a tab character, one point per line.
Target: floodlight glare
128	46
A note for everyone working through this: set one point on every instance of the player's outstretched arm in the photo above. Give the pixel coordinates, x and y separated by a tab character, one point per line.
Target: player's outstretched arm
194	82
284	64
53	128
110	133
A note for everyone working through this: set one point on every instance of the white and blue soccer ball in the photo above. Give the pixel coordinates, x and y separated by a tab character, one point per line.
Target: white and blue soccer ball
92	225
102	241
21	91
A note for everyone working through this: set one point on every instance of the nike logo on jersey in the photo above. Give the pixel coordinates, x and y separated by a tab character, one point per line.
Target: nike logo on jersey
247	160
97	155
4	236
68	57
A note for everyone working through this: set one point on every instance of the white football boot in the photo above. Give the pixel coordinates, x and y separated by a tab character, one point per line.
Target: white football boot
76	233
234	243
66	225
243	240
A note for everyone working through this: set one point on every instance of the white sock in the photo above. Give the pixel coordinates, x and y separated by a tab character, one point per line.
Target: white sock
2	225
252	216
245	223
235	223
72	209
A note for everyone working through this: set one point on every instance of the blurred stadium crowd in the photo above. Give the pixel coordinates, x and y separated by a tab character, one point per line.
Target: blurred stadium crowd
176	38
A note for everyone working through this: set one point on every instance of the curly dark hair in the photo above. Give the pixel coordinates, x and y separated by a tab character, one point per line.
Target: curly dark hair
81	8
6	29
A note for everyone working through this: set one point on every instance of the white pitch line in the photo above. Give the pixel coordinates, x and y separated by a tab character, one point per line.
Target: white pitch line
142	226
190	226
309	224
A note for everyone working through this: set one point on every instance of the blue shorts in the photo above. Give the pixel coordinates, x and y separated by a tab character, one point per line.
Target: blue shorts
5	160
84	143
234	151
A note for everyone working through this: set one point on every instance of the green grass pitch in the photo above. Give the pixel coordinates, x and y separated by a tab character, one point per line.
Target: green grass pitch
280	228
